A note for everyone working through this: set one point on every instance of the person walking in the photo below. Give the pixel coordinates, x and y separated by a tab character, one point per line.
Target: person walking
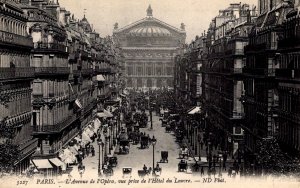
202	171
93	151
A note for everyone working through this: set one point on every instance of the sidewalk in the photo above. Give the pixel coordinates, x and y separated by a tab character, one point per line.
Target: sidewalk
203	155
90	162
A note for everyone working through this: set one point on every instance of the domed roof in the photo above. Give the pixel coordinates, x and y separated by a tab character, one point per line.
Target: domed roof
149	31
85	24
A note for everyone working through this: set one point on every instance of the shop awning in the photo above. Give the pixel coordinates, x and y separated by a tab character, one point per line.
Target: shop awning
86	138
101	114
194	110
42	163
67	156
77	102
105	113
97	124
108	113
89	132
100	78
57	162
77	138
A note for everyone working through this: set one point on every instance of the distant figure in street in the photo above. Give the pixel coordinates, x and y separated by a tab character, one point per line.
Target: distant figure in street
87	150
93	151
230	172
144	168
202	171
224	165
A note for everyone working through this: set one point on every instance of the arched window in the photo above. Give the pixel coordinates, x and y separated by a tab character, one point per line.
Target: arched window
23	29
129	82
139	83
12	27
149	83
159	82
170	82
4	25
7	26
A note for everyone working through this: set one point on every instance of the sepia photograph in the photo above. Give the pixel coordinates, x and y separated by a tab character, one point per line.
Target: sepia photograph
149	93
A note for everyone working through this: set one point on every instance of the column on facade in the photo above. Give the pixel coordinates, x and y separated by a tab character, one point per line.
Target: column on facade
134	82
153	82
237	105
144	81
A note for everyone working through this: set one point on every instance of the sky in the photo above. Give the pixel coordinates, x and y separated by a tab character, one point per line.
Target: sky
195	14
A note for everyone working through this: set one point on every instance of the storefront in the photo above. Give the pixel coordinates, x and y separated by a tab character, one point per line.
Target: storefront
48	167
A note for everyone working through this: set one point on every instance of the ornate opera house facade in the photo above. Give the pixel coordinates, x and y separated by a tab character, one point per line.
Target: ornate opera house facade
149	47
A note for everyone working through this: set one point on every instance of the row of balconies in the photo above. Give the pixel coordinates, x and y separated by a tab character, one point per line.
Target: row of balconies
55	128
235	52
265	72
288	74
14	39
99	70
46	47
90	106
15	73
73	56
7	73
223	70
44	71
88	71
104	95
261	47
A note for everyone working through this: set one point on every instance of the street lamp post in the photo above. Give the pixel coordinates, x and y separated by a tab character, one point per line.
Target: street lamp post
105	151
153	142
220	158
100	143
150	109
150	112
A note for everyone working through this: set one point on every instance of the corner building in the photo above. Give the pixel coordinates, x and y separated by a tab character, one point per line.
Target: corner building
149	47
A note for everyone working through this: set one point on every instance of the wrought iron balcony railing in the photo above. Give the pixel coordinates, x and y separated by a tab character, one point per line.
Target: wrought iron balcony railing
51	71
45	46
55	128
17	72
11	38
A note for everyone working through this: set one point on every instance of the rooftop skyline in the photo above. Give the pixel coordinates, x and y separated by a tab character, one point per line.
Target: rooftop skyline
195	14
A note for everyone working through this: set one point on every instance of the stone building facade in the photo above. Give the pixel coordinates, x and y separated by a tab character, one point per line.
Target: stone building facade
16	76
149	47
54	70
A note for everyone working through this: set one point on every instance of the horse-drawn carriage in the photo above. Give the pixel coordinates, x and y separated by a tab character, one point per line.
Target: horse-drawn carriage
143	120
113	161
179	133
164	156
107	170
157	171
124	147
182	166
183	152
127	172
144	172
135	137
124	143
144	142
168	128
164	122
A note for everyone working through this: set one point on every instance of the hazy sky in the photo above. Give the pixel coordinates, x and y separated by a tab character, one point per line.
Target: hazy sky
195	14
